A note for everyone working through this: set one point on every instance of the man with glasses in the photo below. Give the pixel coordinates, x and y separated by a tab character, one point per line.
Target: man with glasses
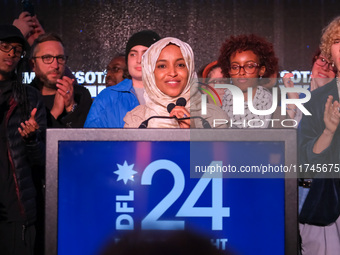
115	71
22	148
67	104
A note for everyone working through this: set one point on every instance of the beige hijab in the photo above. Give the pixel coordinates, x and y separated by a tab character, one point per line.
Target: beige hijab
156	101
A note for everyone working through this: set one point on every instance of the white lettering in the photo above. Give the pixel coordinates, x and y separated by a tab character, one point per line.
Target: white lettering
298	102
124	222
80	77
262	112
204	104
28	77
289	120
99	77
87	77
122	207
297	77
305	76
287	123
255	120
129	197
218	122
238	100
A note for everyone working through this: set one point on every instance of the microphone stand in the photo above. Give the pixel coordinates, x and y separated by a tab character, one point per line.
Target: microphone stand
145	123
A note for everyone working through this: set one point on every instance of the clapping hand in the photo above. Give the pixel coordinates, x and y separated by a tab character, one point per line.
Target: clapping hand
29	126
65	89
331	115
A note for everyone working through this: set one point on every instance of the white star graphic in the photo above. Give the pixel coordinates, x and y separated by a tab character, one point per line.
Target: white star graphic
125	172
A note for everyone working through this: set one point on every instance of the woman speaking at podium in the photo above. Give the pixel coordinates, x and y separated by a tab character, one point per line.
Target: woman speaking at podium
172	99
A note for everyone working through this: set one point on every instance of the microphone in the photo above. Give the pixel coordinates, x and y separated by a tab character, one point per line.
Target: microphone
180	102
170	107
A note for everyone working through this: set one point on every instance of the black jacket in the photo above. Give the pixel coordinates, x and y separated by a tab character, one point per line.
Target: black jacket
322	204
26	155
75	119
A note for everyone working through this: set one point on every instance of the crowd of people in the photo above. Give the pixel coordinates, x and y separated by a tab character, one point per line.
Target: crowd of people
155	85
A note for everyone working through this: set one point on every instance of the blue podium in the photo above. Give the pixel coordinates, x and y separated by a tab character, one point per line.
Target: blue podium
228	184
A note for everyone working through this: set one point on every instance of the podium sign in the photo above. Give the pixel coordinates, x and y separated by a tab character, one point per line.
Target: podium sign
99	187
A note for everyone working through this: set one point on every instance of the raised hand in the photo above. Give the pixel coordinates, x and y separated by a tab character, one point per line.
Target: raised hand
331	115
331	118
58	105
288	83
25	23
30	125
37	30
65	88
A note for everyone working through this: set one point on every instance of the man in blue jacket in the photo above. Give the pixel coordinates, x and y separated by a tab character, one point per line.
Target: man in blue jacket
112	104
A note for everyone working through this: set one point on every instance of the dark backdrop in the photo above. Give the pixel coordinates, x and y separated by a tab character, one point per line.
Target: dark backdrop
95	30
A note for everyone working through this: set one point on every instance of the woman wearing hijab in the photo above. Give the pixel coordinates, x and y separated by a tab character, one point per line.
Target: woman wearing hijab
168	74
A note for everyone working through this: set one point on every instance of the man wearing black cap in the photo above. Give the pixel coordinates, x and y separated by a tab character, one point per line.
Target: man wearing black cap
112	104
22	148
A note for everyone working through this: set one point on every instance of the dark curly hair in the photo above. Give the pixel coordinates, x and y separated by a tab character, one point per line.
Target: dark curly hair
262	48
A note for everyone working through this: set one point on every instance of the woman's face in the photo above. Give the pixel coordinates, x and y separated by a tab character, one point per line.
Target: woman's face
171	72
322	71
249	70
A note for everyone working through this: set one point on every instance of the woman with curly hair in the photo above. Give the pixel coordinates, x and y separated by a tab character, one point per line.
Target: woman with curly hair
247	60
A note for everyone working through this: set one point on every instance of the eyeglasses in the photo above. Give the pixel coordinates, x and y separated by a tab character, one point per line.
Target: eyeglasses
320	61
114	69
48	59
18	50
249	68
